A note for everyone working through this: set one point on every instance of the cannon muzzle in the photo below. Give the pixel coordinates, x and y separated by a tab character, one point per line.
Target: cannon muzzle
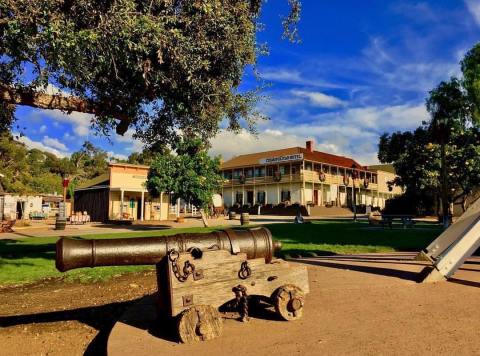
76	253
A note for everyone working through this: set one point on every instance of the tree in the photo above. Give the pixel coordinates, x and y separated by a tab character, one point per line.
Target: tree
28	171
417	163
449	108
442	157
165	67
88	162
191	174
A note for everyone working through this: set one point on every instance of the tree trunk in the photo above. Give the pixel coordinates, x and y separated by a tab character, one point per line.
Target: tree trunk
444	186
204	218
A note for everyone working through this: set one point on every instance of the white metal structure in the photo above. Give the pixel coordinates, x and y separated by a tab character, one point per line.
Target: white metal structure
457	243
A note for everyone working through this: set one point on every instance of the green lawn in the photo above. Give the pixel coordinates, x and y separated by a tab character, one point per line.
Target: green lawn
30	259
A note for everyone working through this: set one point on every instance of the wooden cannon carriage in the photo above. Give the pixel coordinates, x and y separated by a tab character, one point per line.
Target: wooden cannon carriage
203	277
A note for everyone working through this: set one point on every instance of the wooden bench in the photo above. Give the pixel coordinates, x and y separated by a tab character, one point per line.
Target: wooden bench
6	226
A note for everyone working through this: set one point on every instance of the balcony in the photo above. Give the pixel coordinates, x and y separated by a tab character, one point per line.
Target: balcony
307	176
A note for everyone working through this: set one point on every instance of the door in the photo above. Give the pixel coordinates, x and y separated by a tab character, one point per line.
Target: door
20	209
250	197
315	197
139	208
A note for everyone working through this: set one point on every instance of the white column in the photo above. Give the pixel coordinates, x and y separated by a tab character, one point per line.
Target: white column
161	206
278	193
254	194
121	203
178	207
142	207
266	197
243	195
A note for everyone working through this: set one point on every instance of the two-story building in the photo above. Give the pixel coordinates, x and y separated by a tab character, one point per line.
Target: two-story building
304	176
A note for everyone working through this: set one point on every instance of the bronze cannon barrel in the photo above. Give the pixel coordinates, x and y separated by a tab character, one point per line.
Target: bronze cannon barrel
75	253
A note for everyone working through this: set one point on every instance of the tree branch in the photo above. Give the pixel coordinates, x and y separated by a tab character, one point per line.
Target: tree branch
29	97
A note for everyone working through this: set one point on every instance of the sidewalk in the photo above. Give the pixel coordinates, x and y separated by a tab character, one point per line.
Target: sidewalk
99	228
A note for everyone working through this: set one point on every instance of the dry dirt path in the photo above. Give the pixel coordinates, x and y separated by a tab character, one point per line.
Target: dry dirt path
358	305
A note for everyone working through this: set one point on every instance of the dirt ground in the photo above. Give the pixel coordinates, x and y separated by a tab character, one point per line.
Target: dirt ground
358	305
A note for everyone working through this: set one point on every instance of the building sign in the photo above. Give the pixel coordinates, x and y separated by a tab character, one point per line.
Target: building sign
139	177
280	159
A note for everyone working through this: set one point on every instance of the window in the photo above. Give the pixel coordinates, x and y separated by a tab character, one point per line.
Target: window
285	169
374	178
308	166
261	197
271	170
295	169
227	174
237	173
260	172
326	169
362	175
249	172
239	198
285	195
341	171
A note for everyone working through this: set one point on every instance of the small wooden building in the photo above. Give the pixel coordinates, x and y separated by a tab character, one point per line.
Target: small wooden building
120	194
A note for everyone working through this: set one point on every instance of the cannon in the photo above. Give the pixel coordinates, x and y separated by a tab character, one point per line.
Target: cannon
202	277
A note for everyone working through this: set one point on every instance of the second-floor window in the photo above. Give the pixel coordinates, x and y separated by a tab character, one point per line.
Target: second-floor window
260	172
295	169
249	172
237	173
227	174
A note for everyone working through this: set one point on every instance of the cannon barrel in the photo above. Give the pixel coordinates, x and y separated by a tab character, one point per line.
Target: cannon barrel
75	253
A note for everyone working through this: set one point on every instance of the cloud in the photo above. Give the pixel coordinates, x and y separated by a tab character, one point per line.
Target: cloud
474	9
80	122
293	76
54	143
31	144
319	99
352	132
135	145
42	129
119	156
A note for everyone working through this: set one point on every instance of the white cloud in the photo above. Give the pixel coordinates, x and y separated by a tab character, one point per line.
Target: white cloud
54	143
40	146
81	122
42	129
292	76
352	132
229	144
114	155
135	145
319	99
474	8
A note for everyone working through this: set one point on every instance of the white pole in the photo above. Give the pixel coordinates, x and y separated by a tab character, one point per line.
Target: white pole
121	203
142	207
161	206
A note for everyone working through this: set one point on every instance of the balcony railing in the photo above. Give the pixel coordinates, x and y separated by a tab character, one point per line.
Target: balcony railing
307	176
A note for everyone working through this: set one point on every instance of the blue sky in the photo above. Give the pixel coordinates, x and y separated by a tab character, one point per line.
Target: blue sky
363	68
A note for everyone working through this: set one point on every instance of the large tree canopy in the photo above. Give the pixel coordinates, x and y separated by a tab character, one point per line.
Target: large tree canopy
163	66
442	157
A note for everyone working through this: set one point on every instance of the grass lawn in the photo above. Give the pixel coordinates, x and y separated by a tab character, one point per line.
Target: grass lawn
30	259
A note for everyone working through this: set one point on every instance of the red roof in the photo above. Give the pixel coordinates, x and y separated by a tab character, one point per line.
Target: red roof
315	156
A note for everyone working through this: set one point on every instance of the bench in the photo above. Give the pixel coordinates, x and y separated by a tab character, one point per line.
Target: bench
38	216
406	220
6	226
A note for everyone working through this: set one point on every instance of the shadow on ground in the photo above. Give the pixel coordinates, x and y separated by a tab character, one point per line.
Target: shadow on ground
102	318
